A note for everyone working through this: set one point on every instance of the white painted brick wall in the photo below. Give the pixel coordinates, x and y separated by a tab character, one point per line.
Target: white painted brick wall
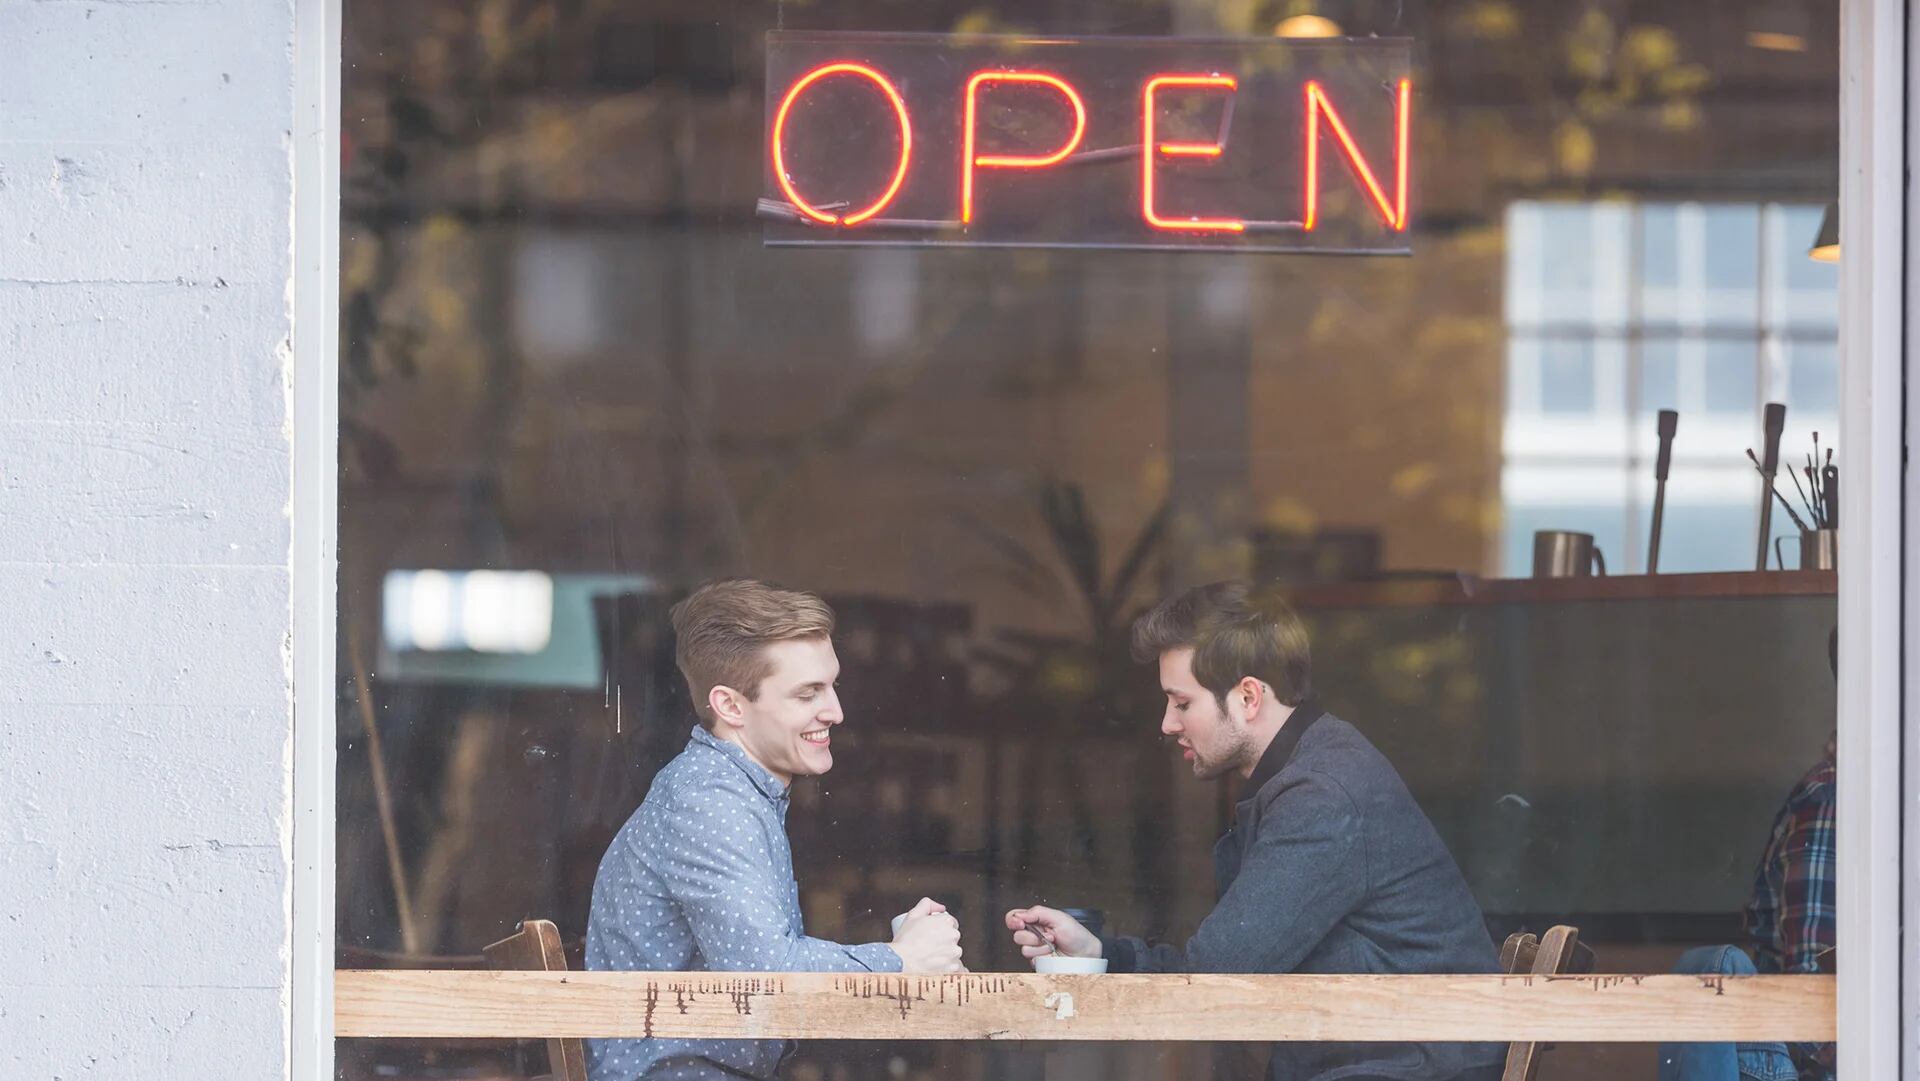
145	230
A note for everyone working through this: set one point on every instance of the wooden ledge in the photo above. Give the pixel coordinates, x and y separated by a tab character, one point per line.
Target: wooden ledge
988	1006
1419	593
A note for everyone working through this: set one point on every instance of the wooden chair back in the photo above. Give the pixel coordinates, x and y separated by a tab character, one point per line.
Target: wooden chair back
535	947
1559	953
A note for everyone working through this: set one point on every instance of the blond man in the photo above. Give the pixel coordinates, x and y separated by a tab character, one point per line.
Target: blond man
701	877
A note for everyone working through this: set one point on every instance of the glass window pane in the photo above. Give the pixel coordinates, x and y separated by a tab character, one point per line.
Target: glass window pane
572	353
1730	265
1568	241
1659	246
1570	263
1659	374
1813	378
1567	377
1661	277
1731	376
1711	521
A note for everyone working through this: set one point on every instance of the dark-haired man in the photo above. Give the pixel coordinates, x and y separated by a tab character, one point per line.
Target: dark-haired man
1329	867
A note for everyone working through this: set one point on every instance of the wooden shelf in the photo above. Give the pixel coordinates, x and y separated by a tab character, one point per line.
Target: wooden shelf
1468	589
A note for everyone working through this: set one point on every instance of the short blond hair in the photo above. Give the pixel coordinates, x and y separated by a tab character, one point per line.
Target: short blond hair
722	631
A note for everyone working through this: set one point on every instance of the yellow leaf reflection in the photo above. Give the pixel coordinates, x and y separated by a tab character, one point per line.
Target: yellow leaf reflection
1590	46
1410	481
1650	48
1680	116
1574	146
1493	20
1289	515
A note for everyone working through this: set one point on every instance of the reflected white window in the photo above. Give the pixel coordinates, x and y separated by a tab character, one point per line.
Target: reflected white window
1567	265
1617	310
558	305
480	611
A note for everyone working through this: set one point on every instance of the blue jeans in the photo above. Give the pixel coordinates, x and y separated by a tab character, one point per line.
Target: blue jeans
1723	1061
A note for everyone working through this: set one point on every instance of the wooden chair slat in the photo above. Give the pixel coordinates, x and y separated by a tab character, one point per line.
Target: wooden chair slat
1558	953
535	947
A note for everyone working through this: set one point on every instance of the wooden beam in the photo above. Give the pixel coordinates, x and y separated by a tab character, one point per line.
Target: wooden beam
1620	587
986	1006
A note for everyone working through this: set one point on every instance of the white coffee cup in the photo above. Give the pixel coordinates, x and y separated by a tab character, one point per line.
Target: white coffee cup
1054	964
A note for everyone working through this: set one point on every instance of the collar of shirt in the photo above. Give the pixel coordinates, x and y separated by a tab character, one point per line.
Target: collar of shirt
766	782
1281	749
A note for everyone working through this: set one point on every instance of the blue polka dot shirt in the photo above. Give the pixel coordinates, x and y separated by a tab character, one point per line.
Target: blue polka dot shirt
700	879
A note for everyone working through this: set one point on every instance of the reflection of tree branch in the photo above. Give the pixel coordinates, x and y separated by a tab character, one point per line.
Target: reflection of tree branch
447	851
1082	679
1145	545
382	791
1588	74
1028	572
502	38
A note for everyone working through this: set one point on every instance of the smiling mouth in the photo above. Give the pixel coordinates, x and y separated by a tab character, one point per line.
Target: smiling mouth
821	738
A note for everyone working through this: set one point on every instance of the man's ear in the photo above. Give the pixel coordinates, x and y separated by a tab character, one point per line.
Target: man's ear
1253	693
728	706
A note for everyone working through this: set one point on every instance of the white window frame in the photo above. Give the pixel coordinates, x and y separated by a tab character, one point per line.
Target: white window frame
315	406
1876	985
1878	998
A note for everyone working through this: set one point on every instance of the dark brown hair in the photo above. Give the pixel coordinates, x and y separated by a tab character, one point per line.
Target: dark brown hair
722	631
1234	633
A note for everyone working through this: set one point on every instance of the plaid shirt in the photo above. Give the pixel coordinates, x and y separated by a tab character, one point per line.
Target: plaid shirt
1791	916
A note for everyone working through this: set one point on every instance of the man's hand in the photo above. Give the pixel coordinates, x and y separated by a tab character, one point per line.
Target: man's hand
928	940
1039	931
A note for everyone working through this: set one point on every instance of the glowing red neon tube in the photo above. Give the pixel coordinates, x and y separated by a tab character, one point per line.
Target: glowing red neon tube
969	161
1151	149
779	131
1394	212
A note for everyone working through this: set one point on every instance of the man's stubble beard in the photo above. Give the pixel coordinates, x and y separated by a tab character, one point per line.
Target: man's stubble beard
1239	759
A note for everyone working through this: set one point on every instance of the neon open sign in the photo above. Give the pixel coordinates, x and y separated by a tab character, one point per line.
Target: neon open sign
1237	145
